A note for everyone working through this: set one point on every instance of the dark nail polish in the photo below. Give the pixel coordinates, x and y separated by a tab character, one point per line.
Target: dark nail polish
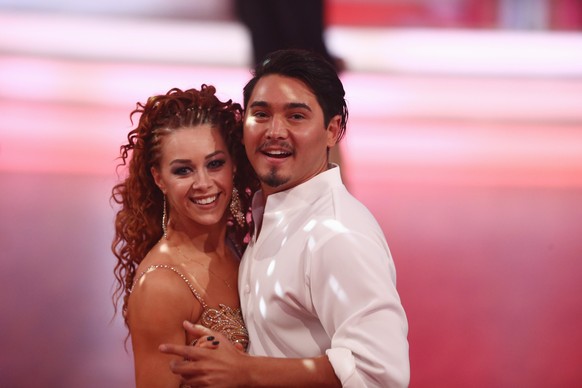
210	338
215	342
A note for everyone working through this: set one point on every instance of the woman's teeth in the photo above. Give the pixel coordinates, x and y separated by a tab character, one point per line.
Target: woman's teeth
206	201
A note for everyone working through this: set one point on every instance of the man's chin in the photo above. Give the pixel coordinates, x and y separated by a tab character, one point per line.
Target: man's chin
273	180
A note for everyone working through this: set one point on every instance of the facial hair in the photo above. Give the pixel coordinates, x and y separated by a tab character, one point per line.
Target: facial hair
271	179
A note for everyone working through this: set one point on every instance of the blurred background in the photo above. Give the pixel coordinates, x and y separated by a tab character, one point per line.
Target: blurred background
465	141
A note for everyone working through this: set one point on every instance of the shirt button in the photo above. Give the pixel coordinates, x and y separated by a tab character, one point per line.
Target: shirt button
247	289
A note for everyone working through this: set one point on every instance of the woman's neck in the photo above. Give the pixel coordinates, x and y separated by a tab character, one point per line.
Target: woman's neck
210	240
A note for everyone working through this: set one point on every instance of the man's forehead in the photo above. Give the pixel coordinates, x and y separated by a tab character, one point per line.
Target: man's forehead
276	89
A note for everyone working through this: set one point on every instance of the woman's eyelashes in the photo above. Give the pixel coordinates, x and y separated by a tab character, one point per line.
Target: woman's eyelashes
212	165
181	170
216	164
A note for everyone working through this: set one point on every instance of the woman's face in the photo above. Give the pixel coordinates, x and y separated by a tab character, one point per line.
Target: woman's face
196	174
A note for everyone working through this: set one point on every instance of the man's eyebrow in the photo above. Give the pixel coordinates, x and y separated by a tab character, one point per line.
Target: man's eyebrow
291	105
259	103
295	105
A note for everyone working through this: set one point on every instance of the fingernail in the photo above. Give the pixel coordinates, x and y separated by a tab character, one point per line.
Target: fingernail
163	348
215	342
210	338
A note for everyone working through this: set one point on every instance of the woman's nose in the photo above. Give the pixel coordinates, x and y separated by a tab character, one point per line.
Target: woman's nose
201	180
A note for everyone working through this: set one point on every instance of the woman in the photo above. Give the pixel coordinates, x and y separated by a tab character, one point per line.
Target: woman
182	223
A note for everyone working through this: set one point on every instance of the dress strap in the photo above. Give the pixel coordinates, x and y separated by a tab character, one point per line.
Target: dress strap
180	274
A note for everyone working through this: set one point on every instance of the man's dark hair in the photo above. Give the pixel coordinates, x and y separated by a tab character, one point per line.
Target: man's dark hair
314	71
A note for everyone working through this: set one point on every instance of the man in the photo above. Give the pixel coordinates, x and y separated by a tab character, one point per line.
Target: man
317	282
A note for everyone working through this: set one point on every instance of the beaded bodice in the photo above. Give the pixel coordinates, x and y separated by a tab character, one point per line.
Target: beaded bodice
223	319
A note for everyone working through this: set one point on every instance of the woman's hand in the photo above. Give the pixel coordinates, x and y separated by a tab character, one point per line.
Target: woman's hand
213	361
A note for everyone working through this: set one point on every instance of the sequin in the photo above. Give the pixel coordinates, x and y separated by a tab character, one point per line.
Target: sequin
223	319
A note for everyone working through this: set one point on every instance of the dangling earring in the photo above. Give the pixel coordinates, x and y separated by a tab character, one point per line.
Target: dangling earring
165	219
236	208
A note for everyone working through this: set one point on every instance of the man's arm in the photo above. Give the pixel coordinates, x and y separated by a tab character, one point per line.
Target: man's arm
353	289
225	365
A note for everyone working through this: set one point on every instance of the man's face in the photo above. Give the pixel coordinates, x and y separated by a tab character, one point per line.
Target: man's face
284	134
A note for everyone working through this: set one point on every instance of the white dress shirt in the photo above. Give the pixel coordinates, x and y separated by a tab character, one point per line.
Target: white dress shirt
319	279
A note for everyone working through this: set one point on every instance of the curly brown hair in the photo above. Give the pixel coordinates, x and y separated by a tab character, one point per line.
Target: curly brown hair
138	221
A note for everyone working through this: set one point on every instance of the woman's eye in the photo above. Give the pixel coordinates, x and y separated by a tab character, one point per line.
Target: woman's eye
214	164
181	170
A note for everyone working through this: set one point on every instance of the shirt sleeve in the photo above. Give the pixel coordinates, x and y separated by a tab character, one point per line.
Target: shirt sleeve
353	289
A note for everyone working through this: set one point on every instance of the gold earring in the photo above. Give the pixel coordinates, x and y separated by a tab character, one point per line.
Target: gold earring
236	208
165	218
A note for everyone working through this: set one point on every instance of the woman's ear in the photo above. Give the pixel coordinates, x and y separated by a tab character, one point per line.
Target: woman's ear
333	129
158	179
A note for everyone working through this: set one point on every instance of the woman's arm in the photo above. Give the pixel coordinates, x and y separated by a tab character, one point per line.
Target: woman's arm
157	307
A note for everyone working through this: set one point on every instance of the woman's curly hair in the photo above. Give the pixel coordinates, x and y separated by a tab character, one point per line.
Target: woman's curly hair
138	222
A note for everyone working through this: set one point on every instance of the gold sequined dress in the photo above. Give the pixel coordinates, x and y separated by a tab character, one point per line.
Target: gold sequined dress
223	319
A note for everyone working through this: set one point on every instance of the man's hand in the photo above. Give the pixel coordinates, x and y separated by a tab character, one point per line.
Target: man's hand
214	361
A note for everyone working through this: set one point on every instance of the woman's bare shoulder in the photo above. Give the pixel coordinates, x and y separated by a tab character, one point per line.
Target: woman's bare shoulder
159	293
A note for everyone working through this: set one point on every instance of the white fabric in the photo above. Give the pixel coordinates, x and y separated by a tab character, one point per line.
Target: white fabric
319	279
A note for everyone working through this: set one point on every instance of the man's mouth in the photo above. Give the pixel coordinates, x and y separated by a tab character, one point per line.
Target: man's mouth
280	154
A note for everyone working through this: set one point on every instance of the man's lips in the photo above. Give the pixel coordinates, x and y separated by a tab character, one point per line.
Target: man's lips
276	150
279	154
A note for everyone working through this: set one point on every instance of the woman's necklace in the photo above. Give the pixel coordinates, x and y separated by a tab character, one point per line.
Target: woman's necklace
200	264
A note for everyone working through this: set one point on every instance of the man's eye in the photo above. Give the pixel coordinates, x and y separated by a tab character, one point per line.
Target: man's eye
297	116
260	114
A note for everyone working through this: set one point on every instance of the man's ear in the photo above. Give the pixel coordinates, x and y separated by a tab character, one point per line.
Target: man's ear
158	179
333	130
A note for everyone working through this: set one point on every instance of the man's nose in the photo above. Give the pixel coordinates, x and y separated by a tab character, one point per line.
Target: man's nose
277	128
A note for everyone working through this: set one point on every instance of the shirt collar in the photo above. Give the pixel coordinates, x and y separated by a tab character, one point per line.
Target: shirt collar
300	195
